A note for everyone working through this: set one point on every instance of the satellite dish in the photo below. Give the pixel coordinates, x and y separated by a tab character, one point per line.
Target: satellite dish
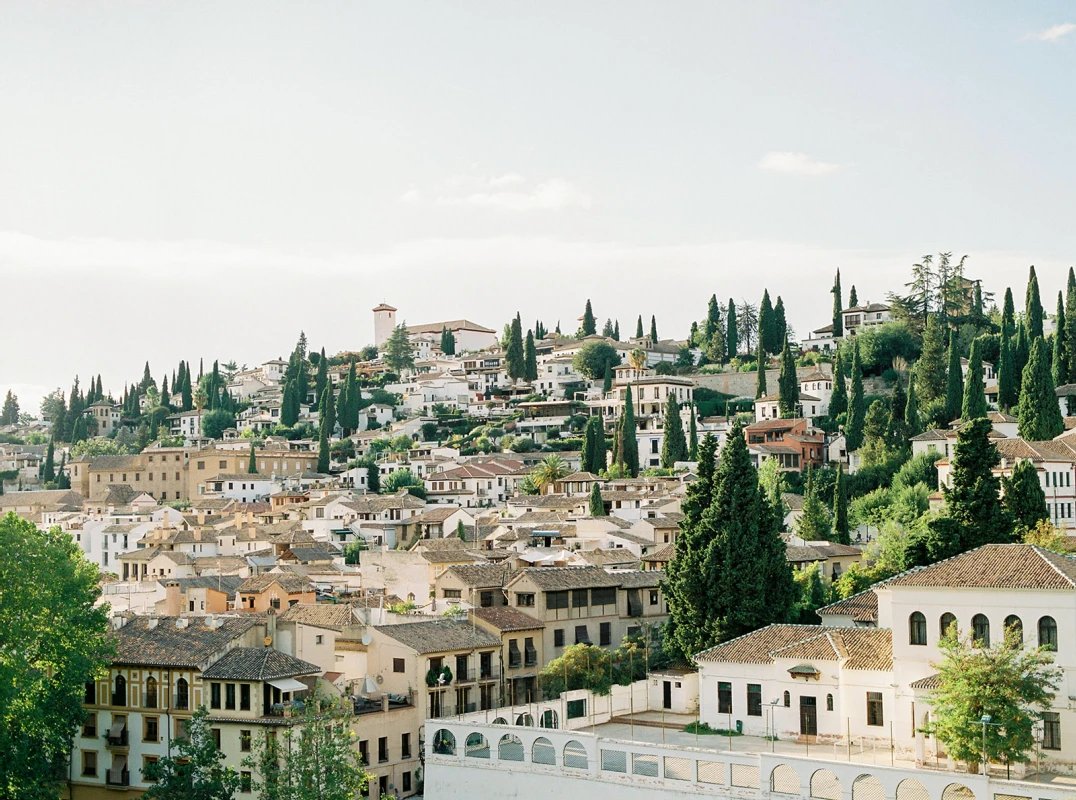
380	679
366	639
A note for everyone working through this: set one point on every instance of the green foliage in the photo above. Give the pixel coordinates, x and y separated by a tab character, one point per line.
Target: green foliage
583	666
593	454
597	507
448	342
91	448
760	380
1006	682
52	642
704	729
812	595
693	435
838	317
552	469
530	359
788	384
1024	498
917	469
954	391
853	580
854	429
215	422
9	415
1038	412
1033	306
513	356
674	445
930	370
323	452
841	533
767	326
592	359
838	401
731	330
814	523
398	354
194	768
590	325
880	346
403	479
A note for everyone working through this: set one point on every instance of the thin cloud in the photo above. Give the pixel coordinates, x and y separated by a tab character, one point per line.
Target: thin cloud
510	191
796	164
1054	34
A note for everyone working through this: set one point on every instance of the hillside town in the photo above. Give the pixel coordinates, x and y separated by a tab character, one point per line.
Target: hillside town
772	537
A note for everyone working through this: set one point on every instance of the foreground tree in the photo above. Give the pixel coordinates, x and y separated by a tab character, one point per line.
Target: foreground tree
52	642
1024	498
1008	683
583	666
594	358
974	389
673	445
552	469
1038	413
195	769
399	355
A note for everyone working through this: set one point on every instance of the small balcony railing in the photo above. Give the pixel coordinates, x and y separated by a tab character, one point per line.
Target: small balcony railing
181	702
116	740
117	777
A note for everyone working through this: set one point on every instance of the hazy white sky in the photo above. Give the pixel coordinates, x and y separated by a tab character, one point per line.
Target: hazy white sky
203	179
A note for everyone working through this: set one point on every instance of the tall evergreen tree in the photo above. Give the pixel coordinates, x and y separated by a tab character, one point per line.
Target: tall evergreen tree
616	331
814	523
653	329
587	454
896	433
289	407
1060	365
779	321
1038	412
767	325
974	388
188	394
321	379
788	384
1070	327
590	325
853	298
327	411
673	445
448	342
930	368
607	329
732	342
354	399
639	328
838	401
838	310
342	406
857	405
629	444
692	436
713	318
530	359
1033	306
323	452
1006	378
78	433
841	533
760	379
1021	353
252	464
1024	498
954	392
597	507
607	378
514	357
48	473
1008	315
730	575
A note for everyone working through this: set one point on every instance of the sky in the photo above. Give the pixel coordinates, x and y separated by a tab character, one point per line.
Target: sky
204	179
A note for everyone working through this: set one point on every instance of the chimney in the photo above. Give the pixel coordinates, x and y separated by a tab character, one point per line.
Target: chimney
385	702
172	599
270	627
201	517
151	623
238	519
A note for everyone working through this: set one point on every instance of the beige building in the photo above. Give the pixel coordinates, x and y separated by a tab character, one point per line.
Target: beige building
521	654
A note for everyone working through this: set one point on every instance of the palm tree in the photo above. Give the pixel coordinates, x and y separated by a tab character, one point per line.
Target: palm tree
637	358
549	472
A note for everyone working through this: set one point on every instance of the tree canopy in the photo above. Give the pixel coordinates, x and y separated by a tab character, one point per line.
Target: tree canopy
592	359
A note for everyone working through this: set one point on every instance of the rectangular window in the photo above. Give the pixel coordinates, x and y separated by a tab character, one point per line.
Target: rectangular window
603	597
556	600
1051	731
874	709
245	782
383	749
525	600
582	636
406	781
754	700
319	639
229	696
605	634
653	597
486	600
216	738
558	637
89	763
214	695
397	665
244	697
364	752
89	727
724	698
579	598
405	745
244	741
150	729
452	594
515	657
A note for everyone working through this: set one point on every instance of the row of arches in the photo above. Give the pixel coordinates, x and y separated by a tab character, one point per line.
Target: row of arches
511	748
548	719
150	693
825	785
980	629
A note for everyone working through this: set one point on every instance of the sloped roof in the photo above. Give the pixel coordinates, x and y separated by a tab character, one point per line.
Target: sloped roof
855	648
996	566
506	618
438	635
862	607
321	615
166	644
258	664
290	583
551	579
480	575
755	647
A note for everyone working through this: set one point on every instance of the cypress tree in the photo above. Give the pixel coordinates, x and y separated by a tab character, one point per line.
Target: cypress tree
732	341
49	471
1070	327
252	465
896	432
1060	363
1006	378
788	384
974	390
814	523
607	378
327	411
954	392
857	405
188	394
514	354
1021	352
589	324
354	399
767	326
530	360
730	575
841	533
911	412
342	405
323	452
289	407
586	455
760	381
147	380
779	321
597	507
597	447
639	328
628	441
838	310
164	390
713	318
321	379
838	401
1033	306
607	329
930	368
692	436
673	445
448	342
1024	498
1008	315
853	298
1038	412
79	431
616	331
653	329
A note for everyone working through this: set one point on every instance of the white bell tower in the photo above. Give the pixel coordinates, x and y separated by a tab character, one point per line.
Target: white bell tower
384	323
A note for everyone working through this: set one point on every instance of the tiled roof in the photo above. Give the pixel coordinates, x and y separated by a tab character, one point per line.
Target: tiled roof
129	463
996	566
506	618
538	517
862	607
929	682
855	648
755	647
45	497
289	583
439	635
665	554
223	583
558	578
167	645
819	552
452	325
546	501
480	575
638	579
321	615
439	514
258	664
450	556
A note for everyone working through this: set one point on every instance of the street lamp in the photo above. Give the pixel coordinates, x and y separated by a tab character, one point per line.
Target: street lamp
773	724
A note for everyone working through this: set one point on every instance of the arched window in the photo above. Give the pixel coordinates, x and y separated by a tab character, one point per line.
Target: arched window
1048	634
151	692
119	693
947	621
1016	625
182	694
980	630
829	702
917	628
788	700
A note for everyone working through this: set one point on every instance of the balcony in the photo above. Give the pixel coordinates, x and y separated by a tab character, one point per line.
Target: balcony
116	738
117	777
180	703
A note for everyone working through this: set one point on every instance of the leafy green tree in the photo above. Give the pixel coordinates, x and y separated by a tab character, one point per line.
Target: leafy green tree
552	469
673	445
838	401
530	360
1024	498
401	479
607	329
841	533
974	388
692	436
930	368
853	429
838	311
653	329
814	523
1033	306
53	641
215	422
194	768
399	356
1038	412
812	594
514	358
252	464
373	475
1008	684
954	392
730	575
853	298
321	379
593	357
732	341
714	349
767	325
597	507
788	384
760	378
583	666
590	326
79	433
